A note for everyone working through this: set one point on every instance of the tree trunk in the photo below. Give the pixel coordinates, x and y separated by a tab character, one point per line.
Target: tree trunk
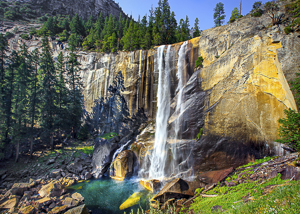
17	151
51	142
31	146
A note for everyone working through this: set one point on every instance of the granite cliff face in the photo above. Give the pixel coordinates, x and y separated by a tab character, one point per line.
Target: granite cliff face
83	8
237	96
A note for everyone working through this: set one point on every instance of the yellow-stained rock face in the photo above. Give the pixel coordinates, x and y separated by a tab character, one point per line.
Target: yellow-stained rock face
250	97
123	165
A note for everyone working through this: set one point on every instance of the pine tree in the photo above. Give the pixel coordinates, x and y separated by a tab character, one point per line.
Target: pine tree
8	92
34	95
21	97
127	39
76	26
196	32
219	14
48	73
234	15
61	100
75	98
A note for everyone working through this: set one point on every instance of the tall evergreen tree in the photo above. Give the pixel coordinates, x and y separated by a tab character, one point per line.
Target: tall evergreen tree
219	14
75	98
196	32
34	96
127	39
49	94
234	15
76	26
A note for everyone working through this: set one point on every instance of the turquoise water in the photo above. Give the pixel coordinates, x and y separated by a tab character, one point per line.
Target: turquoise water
106	195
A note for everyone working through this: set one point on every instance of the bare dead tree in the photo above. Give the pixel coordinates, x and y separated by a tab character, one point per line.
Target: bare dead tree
272	10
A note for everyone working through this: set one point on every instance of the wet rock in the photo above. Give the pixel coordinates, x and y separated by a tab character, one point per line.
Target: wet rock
122	166
177	188
102	156
151	185
78	210
53	189
87	176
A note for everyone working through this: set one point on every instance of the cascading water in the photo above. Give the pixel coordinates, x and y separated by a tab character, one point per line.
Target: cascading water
179	103
159	154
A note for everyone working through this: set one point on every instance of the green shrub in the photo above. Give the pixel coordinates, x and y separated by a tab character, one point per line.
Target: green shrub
199	62
287	30
32	31
257	13
9	35
199	134
24	36
83	133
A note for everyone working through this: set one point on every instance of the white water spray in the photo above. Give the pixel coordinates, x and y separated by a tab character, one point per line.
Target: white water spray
159	154
120	150
179	104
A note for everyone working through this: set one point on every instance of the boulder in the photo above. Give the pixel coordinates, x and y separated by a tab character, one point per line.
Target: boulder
27	210
19	188
70	202
102	156
58	209
44	201
122	166
55	173
78	210
53	189
151	185
177	188
213	177
75	167
77	196
11	203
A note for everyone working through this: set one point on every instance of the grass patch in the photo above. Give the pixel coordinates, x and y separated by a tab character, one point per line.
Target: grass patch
86	149
257	161
108	136
232	197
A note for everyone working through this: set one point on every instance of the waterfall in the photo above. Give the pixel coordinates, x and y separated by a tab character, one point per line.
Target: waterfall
120	150
159	154
179	103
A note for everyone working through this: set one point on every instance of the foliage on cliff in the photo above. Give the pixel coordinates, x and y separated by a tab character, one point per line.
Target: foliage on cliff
289	129
293	9
109	34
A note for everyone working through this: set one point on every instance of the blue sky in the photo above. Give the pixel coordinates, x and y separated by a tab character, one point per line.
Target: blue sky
203	9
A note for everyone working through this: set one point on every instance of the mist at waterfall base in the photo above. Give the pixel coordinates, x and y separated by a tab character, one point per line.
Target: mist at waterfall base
104	196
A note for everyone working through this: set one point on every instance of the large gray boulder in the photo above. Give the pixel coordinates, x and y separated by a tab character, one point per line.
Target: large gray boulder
102	156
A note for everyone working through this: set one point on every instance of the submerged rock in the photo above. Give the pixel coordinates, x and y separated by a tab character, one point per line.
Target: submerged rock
78	210
131	201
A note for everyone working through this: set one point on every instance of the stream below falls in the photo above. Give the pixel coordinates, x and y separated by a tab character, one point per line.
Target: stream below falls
105	195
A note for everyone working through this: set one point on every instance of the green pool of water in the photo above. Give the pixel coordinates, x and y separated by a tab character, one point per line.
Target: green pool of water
106	195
